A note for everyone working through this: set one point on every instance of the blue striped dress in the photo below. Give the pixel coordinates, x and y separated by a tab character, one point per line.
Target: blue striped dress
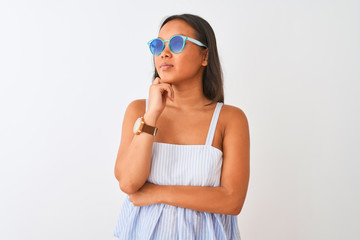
174	164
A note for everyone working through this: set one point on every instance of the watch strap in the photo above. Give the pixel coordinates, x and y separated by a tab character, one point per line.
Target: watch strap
149	129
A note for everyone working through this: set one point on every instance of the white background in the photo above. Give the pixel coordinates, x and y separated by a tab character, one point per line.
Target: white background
68	70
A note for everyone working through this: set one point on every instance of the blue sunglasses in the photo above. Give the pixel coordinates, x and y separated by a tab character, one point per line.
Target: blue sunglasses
176	44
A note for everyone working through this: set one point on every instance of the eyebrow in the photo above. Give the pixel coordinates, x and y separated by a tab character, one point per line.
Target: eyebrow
174	35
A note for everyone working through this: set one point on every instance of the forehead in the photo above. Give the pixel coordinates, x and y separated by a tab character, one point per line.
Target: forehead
174	27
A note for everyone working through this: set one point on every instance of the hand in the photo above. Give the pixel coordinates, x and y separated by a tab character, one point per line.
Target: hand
148	194
159	92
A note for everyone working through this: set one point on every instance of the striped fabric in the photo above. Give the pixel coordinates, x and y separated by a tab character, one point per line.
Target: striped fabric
173	164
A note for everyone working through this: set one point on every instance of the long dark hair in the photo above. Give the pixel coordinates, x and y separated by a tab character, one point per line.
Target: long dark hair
213	77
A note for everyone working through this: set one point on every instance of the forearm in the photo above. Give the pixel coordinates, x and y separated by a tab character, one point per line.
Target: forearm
205	199
134	167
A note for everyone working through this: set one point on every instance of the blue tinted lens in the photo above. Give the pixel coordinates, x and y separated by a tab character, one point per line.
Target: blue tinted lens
176	44
156	46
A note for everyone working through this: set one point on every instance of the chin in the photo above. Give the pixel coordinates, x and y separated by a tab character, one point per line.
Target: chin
166	79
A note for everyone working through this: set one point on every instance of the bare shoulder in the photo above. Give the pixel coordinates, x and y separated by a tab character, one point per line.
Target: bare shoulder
232	116
137	106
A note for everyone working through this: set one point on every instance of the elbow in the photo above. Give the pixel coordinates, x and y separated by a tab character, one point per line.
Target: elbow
128	188
236	210
126	185
235	203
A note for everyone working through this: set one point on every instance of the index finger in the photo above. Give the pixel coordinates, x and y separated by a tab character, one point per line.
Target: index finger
156	80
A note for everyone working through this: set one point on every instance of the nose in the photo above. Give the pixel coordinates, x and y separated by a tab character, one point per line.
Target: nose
166	52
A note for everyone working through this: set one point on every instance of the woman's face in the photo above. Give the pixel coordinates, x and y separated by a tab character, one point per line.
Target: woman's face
189	63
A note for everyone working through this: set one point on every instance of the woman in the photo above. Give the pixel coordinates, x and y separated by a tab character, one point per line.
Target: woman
177	187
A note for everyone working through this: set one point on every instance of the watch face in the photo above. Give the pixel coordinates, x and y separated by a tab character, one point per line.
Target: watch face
137	125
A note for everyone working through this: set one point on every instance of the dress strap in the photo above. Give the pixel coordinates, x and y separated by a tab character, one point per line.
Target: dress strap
215	117
147	103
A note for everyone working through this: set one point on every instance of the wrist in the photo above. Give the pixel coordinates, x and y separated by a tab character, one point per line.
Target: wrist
150	119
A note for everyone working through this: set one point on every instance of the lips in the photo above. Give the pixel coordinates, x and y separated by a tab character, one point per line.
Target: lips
166	66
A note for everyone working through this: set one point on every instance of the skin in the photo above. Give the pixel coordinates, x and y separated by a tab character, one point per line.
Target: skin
176	107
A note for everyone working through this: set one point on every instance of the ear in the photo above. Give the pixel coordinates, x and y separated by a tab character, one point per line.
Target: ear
205	57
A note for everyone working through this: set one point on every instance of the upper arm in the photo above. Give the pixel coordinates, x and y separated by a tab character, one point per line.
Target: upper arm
133	111
236	155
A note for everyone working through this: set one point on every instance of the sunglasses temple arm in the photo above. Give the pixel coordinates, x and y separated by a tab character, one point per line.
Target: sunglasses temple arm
197	42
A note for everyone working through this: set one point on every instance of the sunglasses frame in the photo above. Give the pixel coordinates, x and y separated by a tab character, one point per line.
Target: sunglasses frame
168	40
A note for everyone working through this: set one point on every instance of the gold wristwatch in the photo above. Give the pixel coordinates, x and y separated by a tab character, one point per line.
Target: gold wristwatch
140	126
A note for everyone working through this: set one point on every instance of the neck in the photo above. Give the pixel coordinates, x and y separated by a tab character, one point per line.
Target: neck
188	95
